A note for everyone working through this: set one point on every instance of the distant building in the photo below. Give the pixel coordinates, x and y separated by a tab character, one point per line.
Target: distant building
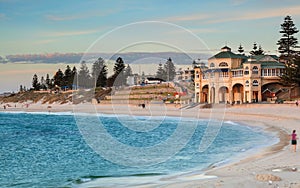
151	80
133	79
185	75
234	78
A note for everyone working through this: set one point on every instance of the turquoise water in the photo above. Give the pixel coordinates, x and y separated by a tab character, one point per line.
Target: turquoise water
47	150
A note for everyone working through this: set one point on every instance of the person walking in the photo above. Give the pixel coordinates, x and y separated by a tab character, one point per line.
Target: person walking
294	140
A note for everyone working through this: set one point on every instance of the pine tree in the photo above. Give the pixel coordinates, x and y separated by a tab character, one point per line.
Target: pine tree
99	73
73	78
241	49
160	73
287	44
128	71
257	51
58	78
21	88
170	70
48	82
35	82
68	81
260	51
43	83
84	78
119	76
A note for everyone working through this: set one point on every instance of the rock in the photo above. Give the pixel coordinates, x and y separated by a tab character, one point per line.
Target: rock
267	177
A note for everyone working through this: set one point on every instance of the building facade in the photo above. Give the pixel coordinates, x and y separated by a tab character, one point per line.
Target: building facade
234	78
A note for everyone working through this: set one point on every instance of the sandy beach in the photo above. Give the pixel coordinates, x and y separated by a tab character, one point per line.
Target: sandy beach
275	166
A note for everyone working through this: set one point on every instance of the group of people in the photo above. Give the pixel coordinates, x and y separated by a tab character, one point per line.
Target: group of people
294	140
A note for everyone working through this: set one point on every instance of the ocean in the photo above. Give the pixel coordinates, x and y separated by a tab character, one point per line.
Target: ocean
52	150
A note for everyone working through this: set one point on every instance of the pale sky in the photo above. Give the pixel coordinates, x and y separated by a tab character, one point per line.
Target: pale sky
35	26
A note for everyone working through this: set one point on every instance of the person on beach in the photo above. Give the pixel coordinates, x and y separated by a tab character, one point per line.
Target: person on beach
294	140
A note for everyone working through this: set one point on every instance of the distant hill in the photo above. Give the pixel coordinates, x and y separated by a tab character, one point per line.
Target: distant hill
129	58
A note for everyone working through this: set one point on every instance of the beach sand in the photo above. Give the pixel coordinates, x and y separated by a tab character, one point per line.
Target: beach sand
274	166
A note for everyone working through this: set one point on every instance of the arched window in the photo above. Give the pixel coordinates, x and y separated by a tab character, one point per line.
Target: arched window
255	70
255	83
223	64
246	72
247	83
212	65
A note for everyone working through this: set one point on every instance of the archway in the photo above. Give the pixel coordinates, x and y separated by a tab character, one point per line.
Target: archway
223	94
237	93
204	94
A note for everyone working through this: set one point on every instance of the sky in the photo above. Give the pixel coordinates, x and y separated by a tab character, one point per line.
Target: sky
35	26
75	26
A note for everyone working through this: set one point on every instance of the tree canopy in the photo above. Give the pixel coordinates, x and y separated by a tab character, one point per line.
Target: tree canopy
287	45
99	73
257	51
170	70
84	78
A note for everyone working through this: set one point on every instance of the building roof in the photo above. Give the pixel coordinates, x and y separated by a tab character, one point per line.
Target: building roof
269	64
260	57
228	54
225	48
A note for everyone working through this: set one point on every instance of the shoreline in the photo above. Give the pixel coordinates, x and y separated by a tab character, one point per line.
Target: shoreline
276	160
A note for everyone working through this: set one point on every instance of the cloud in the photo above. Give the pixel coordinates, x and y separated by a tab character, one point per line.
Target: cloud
69	33
236	15
260	14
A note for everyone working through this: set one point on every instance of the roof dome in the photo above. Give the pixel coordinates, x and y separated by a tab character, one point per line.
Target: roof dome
226	49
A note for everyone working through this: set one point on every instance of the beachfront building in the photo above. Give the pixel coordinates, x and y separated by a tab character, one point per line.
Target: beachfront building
235	78
184	75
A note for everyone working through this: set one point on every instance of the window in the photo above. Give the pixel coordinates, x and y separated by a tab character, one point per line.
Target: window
273	72
238	73
265	72
255	83
247	83
212	65
212	75
246	72
255	70
197	85
223	74
223	64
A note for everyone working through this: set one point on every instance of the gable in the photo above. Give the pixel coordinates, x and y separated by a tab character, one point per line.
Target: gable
268	58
